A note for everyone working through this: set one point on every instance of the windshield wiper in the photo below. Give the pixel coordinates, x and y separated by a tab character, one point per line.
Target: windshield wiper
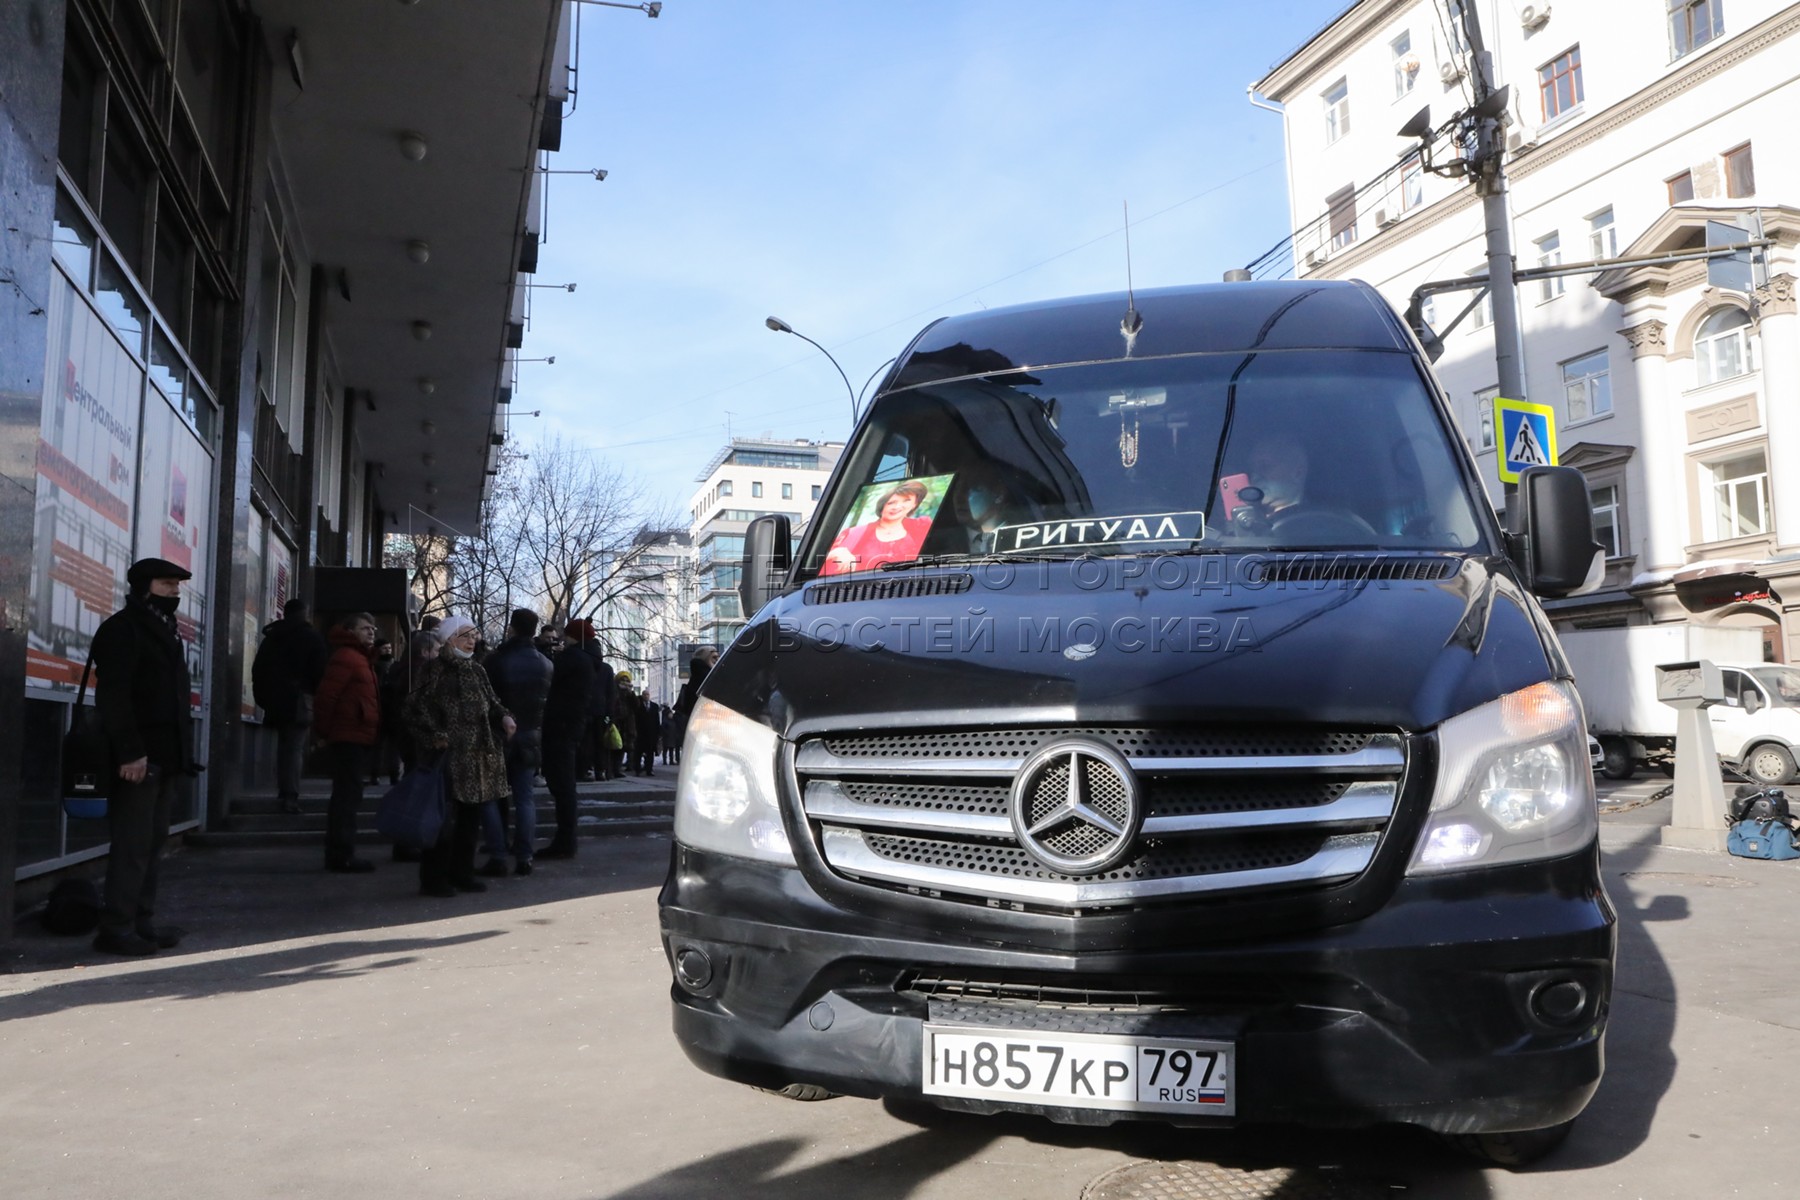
945	560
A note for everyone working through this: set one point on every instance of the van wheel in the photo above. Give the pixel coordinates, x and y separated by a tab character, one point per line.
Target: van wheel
801	1091
1616	762
1519	1149
1769	764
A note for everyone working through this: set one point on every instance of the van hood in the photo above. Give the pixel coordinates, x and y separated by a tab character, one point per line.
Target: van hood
1347	642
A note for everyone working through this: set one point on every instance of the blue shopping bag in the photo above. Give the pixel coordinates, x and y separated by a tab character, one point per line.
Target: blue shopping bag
412	811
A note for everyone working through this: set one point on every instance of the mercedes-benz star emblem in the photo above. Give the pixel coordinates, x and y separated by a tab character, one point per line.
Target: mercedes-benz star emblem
1075	807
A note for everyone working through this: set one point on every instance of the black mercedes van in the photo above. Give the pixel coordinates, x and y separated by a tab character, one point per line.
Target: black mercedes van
1155	721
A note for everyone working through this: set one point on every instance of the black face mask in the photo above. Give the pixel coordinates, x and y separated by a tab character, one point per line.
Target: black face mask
166	605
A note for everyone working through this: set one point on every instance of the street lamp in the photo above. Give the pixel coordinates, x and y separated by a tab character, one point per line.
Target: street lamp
652	9
781	326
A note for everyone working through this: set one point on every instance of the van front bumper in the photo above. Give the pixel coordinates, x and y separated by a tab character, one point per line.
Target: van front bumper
1467	1004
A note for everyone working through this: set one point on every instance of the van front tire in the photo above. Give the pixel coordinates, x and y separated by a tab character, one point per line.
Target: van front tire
801	1091
1519	1149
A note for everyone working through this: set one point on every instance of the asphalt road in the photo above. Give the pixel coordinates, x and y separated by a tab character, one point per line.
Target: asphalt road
340	1036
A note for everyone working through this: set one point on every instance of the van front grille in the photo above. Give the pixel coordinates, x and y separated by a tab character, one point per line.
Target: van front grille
1223	810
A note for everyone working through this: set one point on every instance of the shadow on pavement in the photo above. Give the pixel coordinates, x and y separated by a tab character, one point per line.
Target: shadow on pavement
231	898
760	1171
1640	1049
1386	1160
200	978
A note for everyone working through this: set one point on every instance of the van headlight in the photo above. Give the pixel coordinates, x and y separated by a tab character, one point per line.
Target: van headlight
725	800
1513	783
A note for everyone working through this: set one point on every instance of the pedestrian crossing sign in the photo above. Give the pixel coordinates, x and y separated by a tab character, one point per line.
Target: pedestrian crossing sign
1527	436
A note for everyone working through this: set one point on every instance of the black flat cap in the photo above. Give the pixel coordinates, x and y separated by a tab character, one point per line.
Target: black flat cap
145	569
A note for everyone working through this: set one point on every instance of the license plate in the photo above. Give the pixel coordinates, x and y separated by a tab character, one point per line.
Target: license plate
1081	1070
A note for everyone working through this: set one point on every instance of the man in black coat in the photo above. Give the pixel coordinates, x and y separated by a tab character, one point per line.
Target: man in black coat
521	677
565	730
283	677
143	694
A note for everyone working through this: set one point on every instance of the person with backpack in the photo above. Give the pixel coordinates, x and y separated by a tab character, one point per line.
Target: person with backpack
283	677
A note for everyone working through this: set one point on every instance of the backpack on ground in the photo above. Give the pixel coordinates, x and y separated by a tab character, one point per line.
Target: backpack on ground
1762	839
1761	824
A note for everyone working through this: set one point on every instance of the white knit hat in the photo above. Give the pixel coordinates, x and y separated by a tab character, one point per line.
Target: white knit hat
449	627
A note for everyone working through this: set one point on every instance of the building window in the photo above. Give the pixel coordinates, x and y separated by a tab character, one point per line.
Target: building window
1337	111
1412	184
815	491
1341	209
1483	313
1605	503
1738	504
1484	415
1549	254
1406	65
787	491
1681	187
1692	24
1723	348
1459	38
1559	83
1740	172
1603	236
724	487
1587	383
755	490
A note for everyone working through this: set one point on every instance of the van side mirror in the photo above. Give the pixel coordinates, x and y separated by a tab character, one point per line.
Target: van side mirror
1553	533
768	555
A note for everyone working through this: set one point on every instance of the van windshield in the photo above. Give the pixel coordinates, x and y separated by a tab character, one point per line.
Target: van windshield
1286	450
1783	684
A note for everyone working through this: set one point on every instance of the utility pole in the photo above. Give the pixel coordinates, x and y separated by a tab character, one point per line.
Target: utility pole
1488	169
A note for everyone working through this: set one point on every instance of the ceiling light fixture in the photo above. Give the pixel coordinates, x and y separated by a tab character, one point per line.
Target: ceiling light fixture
413	146
419	250
427	428
421	331
427	384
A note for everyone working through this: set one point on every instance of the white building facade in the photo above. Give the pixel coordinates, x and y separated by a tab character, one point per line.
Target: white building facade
1632	124
649	620
748	478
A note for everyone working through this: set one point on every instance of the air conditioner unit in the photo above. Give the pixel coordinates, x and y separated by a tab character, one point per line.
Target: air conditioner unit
1450	70
1533	16
1317	256
1517	140
1384	218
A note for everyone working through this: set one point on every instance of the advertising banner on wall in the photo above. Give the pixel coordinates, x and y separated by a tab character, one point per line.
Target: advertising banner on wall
174	518
87	460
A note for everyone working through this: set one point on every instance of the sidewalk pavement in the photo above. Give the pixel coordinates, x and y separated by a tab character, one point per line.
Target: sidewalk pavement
340	1036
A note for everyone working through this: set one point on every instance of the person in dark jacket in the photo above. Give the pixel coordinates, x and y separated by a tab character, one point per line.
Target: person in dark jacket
521	677
698	667
603	696
144	696
565	731
649	733
283	677
624	715
347	719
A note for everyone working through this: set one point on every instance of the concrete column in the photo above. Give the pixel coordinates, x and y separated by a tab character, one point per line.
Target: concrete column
1778	342
1662	446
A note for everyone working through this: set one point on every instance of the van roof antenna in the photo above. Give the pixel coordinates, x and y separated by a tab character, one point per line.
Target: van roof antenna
1134	320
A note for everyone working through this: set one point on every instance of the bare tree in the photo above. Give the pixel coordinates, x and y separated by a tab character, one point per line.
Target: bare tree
580	518
488	569
426	558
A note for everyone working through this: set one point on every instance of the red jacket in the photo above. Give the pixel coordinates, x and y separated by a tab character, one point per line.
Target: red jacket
347	706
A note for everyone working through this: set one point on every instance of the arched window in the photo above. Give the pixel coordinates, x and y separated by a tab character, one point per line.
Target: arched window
1723	347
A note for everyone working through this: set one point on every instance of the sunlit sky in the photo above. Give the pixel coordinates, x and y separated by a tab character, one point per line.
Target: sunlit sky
859	168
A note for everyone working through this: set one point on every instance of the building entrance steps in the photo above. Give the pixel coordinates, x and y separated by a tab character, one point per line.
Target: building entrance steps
607	808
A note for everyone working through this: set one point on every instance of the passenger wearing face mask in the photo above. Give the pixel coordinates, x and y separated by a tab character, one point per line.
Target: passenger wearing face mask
982	507
144	696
